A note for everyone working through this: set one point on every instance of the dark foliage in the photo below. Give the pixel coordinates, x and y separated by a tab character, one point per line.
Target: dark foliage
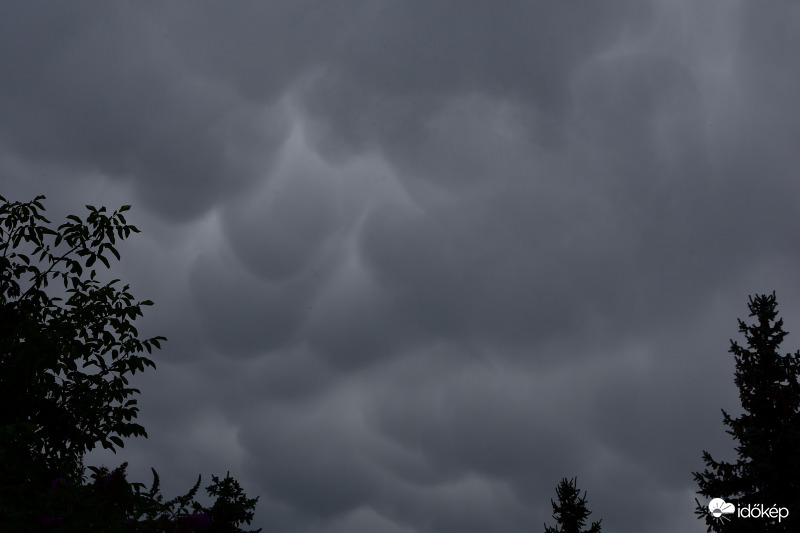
570	513
767	468
51	411
54	407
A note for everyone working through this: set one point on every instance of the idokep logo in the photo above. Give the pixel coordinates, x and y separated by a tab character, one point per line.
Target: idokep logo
719	508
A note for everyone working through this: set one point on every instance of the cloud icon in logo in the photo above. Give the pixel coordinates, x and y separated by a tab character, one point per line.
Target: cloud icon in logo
719	507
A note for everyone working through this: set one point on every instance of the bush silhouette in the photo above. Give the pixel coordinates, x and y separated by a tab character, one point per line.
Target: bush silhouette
51	411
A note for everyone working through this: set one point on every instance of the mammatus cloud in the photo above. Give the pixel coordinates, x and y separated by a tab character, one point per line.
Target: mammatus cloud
418	264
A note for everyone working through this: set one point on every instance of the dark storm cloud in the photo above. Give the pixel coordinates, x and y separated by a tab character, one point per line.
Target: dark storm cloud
239	314
385	81
100	88
416	264
278	231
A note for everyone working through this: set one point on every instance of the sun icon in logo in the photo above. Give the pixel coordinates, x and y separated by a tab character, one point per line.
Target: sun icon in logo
719	508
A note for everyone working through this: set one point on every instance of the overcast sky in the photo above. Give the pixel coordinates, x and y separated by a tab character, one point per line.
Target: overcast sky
418	261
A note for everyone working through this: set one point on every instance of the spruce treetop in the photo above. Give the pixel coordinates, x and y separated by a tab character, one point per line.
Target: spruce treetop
570	513
767	468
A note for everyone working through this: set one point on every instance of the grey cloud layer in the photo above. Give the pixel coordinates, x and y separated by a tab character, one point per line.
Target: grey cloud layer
418	262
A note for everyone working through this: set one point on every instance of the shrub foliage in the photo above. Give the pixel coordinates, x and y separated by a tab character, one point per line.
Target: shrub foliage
67	343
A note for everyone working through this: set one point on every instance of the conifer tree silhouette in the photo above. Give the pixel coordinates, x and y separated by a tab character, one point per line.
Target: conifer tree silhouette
767	468
570	513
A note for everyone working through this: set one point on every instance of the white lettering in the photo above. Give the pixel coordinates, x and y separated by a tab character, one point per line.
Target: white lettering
759	511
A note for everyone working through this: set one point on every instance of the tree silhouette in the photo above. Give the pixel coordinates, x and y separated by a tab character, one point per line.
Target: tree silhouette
570	513
767	468
51	411
232	507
